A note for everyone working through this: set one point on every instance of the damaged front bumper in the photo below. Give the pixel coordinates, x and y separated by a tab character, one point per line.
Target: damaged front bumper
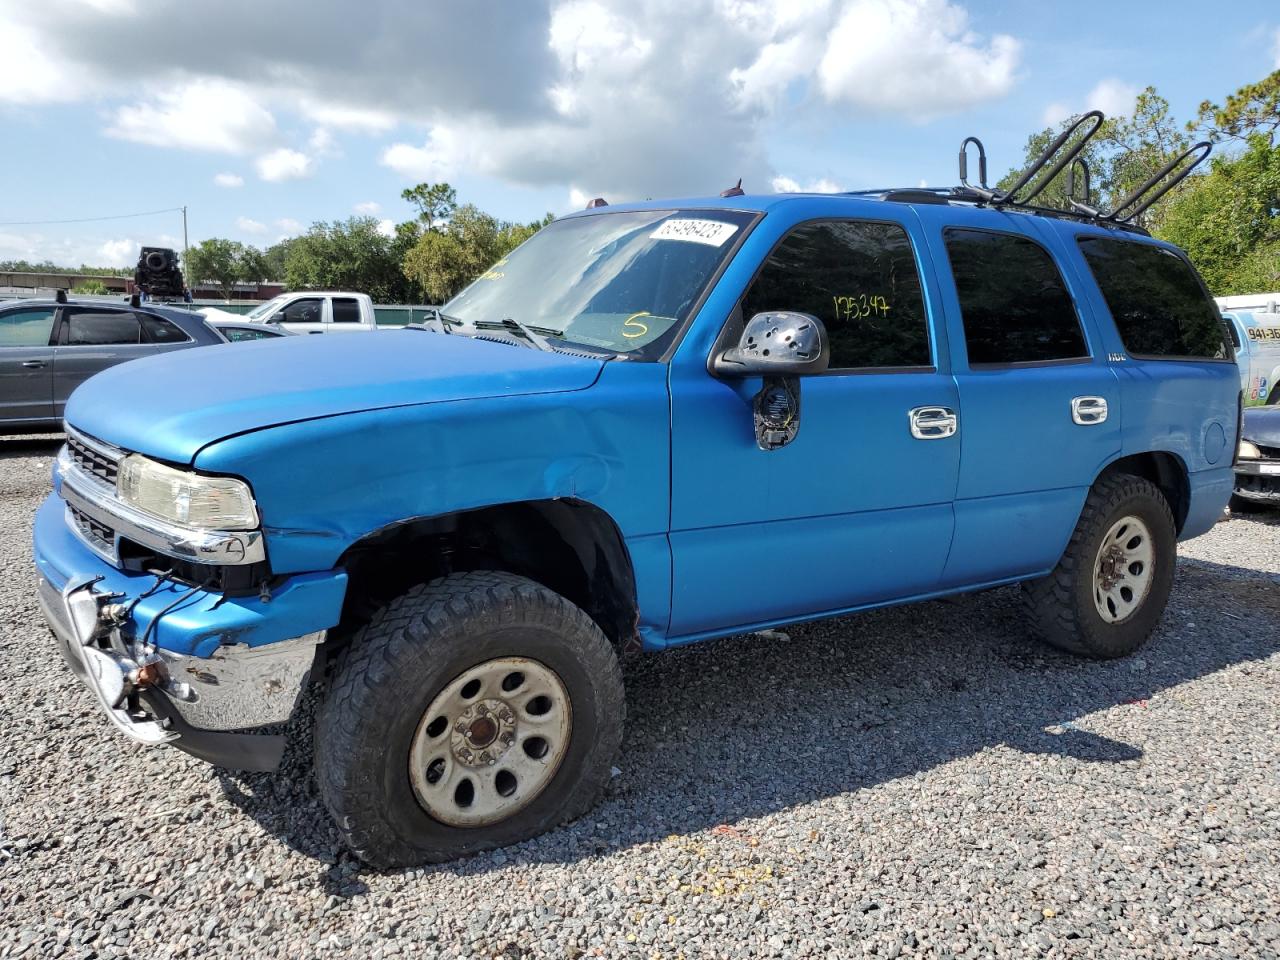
179	665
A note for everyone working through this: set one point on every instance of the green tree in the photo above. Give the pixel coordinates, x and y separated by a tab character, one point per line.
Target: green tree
224	263
1227	220
273	260
443	261
1253	110
435	202
350	254
90	288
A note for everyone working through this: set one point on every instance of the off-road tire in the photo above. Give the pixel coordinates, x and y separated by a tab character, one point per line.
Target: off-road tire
1060	607
394	667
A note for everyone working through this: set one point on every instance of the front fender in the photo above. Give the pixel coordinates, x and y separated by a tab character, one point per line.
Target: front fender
323	484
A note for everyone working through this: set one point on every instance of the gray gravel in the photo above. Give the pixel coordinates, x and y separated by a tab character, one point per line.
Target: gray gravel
911	782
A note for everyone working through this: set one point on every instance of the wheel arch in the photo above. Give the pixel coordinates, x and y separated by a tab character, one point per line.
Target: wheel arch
1166	470
568	545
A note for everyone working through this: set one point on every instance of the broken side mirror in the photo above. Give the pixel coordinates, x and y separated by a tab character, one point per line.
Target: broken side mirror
777	344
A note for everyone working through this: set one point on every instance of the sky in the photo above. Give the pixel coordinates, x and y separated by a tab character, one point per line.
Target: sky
264	116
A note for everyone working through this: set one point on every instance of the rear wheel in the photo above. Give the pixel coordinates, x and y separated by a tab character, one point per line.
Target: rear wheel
472	712
1110	588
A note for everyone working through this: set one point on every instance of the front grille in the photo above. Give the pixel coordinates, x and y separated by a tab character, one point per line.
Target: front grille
1269	453
92	461
93	530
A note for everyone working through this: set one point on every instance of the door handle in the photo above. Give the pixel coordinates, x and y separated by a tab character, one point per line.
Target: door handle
33	364
933	423
1087	411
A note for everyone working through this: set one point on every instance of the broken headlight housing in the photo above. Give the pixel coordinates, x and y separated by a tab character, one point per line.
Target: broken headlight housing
1248	451
186	498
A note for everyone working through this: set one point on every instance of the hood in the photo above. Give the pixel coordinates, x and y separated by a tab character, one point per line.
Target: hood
1262	425
213	313
170	406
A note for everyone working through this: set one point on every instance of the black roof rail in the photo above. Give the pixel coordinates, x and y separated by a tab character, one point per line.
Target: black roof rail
1050	152
1140	200
1080	204
981	190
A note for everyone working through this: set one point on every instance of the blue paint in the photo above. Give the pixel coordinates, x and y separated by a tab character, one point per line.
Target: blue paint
343	436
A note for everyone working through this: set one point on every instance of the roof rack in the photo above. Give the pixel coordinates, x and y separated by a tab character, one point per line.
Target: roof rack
1056	159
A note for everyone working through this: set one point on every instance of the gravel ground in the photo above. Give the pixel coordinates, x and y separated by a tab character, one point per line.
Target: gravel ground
911	782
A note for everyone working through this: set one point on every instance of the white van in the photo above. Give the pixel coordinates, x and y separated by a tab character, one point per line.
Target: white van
1256	337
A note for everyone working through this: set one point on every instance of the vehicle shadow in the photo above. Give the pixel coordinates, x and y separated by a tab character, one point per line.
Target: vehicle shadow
748	726
39	445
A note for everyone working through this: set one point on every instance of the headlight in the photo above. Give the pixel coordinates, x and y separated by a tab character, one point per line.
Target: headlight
205	503
1248	451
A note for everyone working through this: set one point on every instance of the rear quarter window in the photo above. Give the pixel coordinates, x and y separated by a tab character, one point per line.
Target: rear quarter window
1159	305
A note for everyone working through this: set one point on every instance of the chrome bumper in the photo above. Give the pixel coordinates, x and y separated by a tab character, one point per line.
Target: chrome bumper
155	696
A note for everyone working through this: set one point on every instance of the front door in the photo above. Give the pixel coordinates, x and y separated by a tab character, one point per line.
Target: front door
856	509
26	364
1041	405
90	339
304	315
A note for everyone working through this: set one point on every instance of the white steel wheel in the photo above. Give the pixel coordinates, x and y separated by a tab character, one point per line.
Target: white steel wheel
490	742
1122	573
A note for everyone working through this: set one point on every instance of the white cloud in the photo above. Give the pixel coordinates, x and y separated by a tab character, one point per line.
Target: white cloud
783	184
31	72
368	208
1113	97
284	164
249	225
118	253
206	114
228	179
290	226
633	98
354	119
321	140
387	228
917	56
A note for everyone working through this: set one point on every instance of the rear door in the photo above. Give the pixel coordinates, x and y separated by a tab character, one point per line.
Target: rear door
26	363
1039	402
90	339
346	315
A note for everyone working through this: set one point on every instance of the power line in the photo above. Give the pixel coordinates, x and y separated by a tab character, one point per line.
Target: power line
120	216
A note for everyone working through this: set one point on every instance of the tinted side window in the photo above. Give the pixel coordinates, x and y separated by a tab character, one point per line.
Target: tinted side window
860	280
161	330
1014	305
26	328
240	333
303	311
1156	300
346	310
102	328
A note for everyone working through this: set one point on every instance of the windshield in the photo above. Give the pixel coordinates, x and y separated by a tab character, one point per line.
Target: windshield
619	282
268	308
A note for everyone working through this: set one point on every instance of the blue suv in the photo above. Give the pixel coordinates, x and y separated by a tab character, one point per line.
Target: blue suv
611	441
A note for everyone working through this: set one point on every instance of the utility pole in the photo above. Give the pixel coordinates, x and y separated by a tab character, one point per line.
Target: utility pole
184	236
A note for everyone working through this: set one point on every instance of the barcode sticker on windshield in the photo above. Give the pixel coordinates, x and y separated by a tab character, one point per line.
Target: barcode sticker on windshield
711	232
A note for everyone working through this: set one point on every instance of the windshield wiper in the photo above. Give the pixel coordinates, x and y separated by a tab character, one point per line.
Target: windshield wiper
534	336
447	323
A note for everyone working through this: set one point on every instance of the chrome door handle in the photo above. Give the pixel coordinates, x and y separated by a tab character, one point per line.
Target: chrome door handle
932	423
33	364
1087	411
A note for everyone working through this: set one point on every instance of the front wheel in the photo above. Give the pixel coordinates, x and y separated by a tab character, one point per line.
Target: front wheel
472	712
1110	588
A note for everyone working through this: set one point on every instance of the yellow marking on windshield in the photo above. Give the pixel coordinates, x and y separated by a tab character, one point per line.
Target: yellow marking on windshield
632	322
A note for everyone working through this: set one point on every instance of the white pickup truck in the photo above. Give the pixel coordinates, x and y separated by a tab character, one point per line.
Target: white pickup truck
311	311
